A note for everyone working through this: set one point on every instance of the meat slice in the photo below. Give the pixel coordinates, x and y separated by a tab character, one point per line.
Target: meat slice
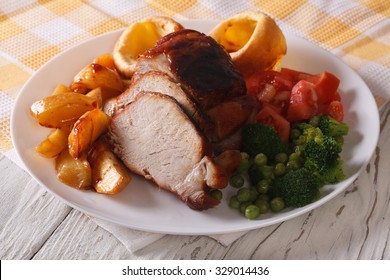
155	138
155	81
185	97
202	67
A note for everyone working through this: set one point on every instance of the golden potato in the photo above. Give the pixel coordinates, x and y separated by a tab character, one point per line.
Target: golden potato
95	75
96	93
62	109
106	60
61	88
102	95
109	175
73	172
254	41
54	143
86	130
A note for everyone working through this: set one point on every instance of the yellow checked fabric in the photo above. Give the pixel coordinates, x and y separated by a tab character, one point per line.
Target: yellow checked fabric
32	32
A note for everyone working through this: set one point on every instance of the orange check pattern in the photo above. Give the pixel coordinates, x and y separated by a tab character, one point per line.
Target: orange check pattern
32	32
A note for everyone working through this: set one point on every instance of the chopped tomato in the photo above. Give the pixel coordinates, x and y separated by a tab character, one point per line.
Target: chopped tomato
269	116
303	102
326	85
335	110
270	87
276	79
294	75
297	95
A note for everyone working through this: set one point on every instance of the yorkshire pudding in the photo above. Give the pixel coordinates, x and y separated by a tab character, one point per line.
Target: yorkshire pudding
139	37
254	41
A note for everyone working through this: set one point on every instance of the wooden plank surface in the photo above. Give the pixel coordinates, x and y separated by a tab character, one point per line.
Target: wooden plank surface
353	225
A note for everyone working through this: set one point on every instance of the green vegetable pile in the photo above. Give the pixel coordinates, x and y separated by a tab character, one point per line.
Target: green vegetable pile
283	175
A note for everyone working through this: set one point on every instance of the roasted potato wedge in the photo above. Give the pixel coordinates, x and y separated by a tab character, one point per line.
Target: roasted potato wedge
62	109
60	89
106	60
86	130
73	172
102	95
54	143
97	93
96	75
109	175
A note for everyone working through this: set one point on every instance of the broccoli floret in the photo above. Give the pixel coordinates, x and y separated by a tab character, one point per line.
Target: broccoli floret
260	138
298	187
331	127
322	157
309	133
334	173
302	126
323	151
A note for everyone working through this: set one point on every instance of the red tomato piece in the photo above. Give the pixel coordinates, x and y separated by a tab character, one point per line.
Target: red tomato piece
269	116
275	78
295	75
335	110
326	85
270	87
303	102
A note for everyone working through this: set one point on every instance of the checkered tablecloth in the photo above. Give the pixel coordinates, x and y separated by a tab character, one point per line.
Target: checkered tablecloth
32	32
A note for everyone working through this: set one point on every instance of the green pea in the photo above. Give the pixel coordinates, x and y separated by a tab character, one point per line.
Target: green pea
280	169
243	206
277	204
263	206
217	194
260	159
252	212
281	158
294	156
293	165
244	155
295	133
244	166
237	181
246	194
298	149
253	193
234	203
268	172
300	141
262	186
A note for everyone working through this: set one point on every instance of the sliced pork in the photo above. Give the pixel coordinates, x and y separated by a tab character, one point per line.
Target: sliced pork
156	81
179	118
155	138
203	70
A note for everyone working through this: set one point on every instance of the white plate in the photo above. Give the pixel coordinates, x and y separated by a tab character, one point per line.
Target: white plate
142	205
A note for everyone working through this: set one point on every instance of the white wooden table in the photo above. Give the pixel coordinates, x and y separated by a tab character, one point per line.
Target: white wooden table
354	225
